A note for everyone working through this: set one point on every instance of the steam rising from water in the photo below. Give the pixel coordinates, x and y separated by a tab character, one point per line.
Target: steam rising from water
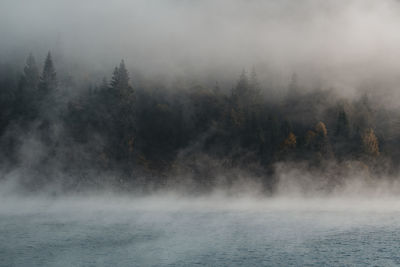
345	44
84	206
169	230
340	44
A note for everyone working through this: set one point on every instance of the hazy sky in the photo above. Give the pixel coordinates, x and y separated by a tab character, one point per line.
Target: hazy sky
342	42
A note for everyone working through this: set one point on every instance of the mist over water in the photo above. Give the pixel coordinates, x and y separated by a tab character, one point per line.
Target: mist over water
218	230
231	133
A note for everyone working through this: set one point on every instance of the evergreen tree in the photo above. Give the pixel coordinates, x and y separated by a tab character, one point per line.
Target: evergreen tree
48	79
104	86
321	141
242	86
345	143
123	113
31	73
342	125
255	89
8	88
26	105
286	128
241	93
46	102
287	147
120	82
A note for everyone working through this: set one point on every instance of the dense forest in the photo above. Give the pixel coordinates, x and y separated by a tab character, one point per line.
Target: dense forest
145	136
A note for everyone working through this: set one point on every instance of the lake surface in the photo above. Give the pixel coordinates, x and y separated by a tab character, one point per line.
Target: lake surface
216	232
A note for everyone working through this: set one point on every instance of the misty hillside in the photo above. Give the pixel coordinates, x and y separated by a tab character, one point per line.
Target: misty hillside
151	135
210	94
199	133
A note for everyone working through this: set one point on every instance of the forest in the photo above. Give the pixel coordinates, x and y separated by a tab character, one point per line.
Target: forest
133	135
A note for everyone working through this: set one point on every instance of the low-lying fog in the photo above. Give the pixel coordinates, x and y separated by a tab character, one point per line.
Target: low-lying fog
174	203
349	46
217	230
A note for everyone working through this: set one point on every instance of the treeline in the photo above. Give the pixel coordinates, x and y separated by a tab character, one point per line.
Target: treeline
150	135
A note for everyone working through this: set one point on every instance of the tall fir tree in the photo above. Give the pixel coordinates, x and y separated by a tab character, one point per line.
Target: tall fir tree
31	73
120	82
47	106
342	125
124	110
48	79
241	91
26	98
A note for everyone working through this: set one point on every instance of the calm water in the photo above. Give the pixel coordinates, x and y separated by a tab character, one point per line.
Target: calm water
118	233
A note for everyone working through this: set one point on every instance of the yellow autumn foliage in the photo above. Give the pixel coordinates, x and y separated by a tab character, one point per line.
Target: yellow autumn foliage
320	128
370	143
290	142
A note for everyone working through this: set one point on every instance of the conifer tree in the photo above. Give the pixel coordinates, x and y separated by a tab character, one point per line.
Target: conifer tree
104	84
322	143
46	97
26	98
31	73
342	125
242	86
123	109
48	79
120	82
255	89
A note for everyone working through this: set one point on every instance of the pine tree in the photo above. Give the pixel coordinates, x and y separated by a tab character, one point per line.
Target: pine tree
240	94
46	102
287	147
123	112
342	125
48	79
255	84
322	144
286	128
26	105
242	86
31	73
120	81
310	139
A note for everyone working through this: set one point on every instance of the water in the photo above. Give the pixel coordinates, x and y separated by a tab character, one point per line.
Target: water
179	232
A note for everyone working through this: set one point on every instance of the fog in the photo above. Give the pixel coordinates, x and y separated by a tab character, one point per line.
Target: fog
216	202
231	133
172	231
349	46
343	44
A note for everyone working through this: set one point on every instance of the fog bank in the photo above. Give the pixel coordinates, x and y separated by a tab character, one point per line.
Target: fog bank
84	206
345	44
